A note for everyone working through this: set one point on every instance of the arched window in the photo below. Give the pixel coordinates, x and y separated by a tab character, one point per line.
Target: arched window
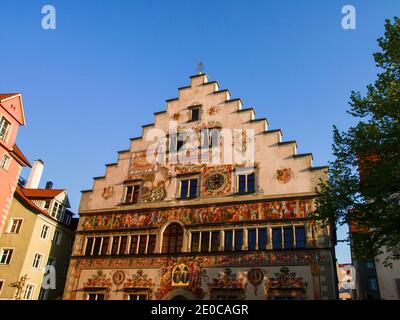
172	238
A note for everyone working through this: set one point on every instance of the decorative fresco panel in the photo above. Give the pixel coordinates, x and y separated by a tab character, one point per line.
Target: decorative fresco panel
262	258
192	216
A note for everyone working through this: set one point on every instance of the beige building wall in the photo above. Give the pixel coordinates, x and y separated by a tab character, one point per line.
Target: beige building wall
388	278
26	244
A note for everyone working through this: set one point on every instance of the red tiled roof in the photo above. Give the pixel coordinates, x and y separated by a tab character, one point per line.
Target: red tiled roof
18	153
7	95
20	193
42	193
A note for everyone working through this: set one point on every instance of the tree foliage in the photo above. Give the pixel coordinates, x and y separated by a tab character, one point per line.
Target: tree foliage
363	186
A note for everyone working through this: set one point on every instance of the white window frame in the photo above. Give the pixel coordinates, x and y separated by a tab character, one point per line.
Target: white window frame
5	162
11	224
47	233
2	253
32	292
39	261
8	130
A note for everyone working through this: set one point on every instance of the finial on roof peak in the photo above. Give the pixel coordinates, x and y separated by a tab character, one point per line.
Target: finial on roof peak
200	68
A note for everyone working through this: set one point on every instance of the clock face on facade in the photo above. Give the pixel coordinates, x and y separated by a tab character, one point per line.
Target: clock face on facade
216	182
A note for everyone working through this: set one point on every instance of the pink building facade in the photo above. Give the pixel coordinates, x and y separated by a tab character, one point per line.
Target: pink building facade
11	158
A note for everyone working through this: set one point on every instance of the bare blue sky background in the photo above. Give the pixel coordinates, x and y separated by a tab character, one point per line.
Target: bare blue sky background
89	85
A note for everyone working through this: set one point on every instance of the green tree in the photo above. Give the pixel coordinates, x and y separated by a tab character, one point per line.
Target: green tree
363	185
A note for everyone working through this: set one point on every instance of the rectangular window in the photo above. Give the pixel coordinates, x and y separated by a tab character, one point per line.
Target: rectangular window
96	296
57	237
115	244
288	237
57	210
1	284
205	241
238	240
5	257
45	232
104	246
134	243
142	244
300	237
152	244
277	238
132	194
188	188
215	239
15	225
4	162
89	245
262	239
194	114
246	183
252	239
37	260
195	241
47	205
228	240
135	296
122	246
5	126
96	246
29	290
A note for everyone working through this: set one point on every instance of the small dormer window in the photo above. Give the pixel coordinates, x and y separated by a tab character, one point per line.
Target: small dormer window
57	210
195	114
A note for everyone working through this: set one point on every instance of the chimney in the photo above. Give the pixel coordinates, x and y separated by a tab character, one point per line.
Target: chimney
49	185
35	174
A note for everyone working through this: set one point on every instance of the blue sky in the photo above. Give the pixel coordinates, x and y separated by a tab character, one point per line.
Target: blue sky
89	85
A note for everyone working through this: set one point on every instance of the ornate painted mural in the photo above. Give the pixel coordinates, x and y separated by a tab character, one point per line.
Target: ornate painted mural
188	216
305	257
285	285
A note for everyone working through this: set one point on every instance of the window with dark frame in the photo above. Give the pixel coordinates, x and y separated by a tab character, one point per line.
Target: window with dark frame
300	237
252	239
132	193
96	246
134	244
205	241
122	246
228	240
104	248
151	248
277	238
115	244
238	240
96	296
5	257
89	244
288	238
16	226
215	240
188	188
246	183
142	244
195	114
262	239
172	238
195	242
